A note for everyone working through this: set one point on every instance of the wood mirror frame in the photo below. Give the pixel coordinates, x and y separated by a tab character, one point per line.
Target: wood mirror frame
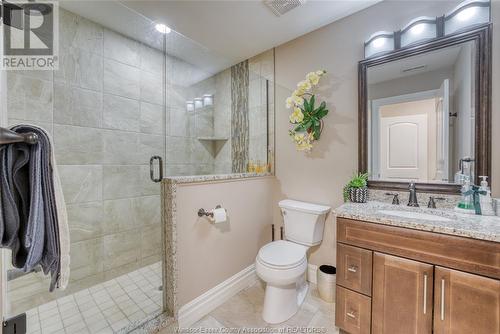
482	130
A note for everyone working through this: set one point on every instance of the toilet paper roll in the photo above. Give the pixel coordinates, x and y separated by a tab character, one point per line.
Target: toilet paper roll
220	215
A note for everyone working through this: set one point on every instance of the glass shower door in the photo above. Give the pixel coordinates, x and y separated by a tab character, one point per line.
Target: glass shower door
105	110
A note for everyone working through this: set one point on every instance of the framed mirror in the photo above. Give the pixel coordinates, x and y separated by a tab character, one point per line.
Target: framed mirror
425	111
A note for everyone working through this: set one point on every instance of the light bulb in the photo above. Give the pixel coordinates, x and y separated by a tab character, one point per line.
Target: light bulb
379	42
466	14
417	29
163	28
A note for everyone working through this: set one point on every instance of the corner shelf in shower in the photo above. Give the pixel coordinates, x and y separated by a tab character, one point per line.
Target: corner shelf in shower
213	144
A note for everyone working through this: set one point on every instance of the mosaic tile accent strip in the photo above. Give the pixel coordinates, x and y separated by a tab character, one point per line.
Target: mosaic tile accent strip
240	136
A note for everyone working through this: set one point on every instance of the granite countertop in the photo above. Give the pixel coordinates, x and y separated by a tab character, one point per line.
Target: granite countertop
463	225
213	177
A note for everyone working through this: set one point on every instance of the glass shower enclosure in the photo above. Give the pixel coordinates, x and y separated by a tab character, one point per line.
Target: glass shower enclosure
128	105
105	110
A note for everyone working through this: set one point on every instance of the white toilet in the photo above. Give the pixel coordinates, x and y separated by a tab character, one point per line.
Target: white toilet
282	264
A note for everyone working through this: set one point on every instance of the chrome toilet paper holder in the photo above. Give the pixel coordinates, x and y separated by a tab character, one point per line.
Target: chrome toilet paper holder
202	212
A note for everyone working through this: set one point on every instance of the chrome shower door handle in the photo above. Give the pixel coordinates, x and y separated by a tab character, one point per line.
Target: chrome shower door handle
152	168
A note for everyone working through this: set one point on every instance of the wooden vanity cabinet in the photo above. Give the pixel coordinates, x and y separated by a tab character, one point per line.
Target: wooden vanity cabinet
465	303
421	282
402	295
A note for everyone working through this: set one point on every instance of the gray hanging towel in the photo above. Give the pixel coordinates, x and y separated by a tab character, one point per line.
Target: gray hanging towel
29	220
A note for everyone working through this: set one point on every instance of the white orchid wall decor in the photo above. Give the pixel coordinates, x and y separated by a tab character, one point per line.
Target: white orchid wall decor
306	119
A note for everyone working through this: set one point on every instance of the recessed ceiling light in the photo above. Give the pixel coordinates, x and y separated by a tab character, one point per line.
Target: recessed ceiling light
163	28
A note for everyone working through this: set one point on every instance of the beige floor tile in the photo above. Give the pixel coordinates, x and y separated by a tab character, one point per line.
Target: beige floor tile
239	311
208	322
245	310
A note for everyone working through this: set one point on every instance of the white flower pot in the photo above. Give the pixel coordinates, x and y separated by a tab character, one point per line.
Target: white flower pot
326	282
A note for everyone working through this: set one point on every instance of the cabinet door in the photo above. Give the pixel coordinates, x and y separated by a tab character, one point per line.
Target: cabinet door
465	303
402	296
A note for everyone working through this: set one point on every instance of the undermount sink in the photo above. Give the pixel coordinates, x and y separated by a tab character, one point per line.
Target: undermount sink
414	215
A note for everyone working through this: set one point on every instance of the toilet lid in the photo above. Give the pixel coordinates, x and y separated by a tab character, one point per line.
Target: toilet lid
282	253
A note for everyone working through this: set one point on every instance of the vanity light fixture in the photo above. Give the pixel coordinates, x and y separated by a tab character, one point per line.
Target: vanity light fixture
379	43
466	15
418	30
190	106
163	28
198	103
208	100
469	14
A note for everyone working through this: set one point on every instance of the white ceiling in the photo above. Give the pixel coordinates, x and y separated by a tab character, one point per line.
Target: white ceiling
244	28
432	61
214	34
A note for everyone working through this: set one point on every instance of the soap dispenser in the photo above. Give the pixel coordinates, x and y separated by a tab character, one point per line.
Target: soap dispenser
466	203
485	199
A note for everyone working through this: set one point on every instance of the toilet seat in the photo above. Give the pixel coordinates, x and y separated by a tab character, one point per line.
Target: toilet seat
281	262
282	255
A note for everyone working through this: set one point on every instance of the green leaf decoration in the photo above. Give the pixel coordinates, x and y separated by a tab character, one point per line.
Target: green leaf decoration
320	113
311	125
307	124
317	131
306	105
299	128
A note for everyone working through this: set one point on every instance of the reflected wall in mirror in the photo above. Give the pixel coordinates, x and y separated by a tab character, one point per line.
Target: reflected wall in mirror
421	116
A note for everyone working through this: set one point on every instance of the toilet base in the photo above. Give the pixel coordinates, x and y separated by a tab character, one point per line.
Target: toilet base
282	302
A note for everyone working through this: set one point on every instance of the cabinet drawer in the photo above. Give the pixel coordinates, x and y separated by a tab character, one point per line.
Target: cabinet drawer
353	311
354	268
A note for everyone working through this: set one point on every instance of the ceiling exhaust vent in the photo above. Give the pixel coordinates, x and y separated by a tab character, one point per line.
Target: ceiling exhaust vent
414	68
281	7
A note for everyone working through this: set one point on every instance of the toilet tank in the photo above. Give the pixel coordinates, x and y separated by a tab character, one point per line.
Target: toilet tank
304	222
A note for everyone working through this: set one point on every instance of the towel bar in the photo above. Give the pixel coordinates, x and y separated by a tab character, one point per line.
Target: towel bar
10	137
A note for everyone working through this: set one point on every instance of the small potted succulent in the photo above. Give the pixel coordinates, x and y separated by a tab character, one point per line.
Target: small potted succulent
356	190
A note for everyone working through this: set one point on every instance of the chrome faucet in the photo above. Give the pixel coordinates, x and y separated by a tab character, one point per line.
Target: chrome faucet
412	200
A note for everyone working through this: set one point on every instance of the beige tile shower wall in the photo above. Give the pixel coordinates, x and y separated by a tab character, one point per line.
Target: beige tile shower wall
186	154
203	248
104	108
337	48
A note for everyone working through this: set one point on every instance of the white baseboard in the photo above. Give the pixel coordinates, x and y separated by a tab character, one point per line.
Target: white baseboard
210	300
312	273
